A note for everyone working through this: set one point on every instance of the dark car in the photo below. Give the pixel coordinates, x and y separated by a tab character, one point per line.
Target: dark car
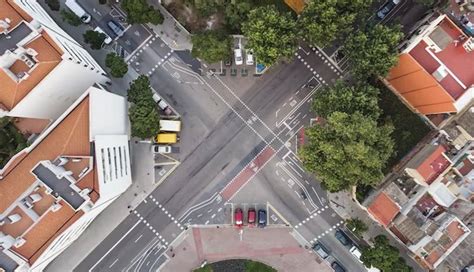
251	216
262	218
321	250
337	267
342	237
385	10
115	27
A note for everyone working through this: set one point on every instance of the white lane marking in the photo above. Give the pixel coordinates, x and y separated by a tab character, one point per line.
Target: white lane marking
116	260
120	240
138	238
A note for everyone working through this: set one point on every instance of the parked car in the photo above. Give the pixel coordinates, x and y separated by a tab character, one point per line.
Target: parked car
78	10
249	60
162	149
385	10
337	267
262	218
356	253
321	250
239	217
252	215
342	237
162	104
238	56
115	27
107	39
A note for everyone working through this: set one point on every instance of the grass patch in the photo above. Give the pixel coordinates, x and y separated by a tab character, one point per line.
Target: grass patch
252	266
236	266
206	268
409	127
11	140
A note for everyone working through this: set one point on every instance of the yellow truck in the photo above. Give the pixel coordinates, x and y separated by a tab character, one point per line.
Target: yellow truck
166	138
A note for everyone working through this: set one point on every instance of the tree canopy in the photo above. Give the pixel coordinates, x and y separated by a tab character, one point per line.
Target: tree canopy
347	150
117	66
94	38
271	34
70	17
236	14
347	98
143	114
384	256
373	52
139	12
211	46
357	226
323	21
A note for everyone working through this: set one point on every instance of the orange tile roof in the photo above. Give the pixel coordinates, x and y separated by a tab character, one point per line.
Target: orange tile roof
419	88
8	11
69	137
44	230
296	5
18	228
13	92
433	165
454	231
384	209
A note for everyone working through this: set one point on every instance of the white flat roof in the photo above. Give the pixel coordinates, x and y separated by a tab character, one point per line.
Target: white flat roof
107	113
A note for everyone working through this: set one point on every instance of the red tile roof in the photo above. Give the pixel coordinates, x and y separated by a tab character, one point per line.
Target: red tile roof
384	209
434	165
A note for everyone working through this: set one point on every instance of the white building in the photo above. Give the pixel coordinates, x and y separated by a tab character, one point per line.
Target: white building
42	69
70	174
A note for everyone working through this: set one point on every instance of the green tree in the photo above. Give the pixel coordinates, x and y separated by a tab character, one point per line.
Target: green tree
94	38
271	34
357	226
139	12
373	52
323	21
102	2
139	89
70	17
144	117
347	98
236	14
53	4
384	256
211	46
117	66
347	150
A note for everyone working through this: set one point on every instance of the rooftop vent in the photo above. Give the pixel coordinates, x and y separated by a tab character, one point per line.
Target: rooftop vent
440	73
14	218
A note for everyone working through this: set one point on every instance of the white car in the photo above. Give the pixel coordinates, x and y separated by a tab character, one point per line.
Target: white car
249	60
162	149
107	40
162	104
356	253
238	56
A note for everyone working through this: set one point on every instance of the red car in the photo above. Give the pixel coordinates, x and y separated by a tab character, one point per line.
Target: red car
252	216
239	217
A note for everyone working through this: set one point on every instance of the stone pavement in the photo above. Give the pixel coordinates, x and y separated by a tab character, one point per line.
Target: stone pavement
273	246
171	31
346	207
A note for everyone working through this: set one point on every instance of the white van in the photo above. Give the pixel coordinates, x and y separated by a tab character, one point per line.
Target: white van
170	125
78	10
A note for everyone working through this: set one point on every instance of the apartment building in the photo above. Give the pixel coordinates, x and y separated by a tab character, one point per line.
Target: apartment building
70	174
428	206
42	69
434	75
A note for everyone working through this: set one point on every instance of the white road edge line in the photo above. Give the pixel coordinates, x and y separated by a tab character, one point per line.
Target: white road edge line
120	240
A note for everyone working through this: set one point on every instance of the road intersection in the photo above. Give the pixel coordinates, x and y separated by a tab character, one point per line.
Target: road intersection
252	139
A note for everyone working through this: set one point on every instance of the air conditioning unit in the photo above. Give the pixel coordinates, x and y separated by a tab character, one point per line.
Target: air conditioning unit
469	45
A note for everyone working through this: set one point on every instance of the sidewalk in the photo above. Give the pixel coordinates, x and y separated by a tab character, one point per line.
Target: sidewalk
346	207
272	246
171	31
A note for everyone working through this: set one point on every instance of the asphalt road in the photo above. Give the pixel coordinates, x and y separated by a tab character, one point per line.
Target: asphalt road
231	140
